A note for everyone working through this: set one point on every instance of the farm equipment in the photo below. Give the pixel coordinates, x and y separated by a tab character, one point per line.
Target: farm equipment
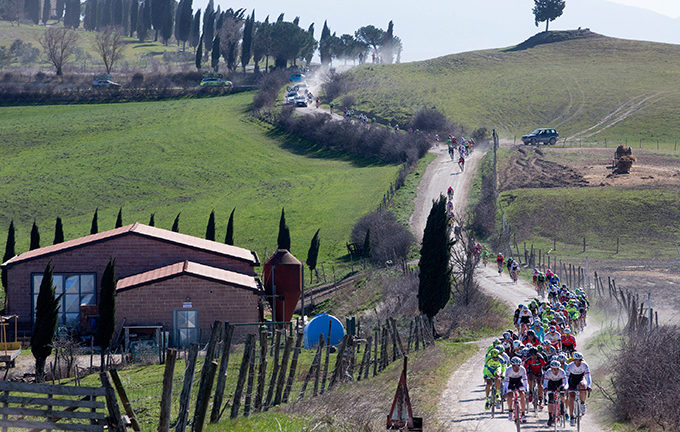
9	351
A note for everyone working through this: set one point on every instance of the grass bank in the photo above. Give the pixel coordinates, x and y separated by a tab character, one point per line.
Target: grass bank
188	156
514	90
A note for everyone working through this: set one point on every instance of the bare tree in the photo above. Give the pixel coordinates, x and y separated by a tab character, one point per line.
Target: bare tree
464	259
60	44
109	45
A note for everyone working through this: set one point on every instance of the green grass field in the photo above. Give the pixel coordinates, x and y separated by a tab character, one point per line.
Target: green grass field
645	220
570	85
189	156
133	54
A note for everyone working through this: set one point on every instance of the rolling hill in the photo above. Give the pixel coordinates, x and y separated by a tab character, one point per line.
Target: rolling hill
189	156
589	86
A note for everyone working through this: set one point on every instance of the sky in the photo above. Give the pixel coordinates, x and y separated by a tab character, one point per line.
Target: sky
669	8
433	28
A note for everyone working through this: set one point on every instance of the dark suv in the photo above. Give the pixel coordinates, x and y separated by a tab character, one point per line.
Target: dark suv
545	136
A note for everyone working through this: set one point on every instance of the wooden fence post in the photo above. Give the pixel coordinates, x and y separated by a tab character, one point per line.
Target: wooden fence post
166	398
114	420
215	332
338	362
328	354
262	371
245	362
275	370
283	369
312	368
375	353
365	361
185	396
203	398
293	367
317	371
222	374
251	378
124	398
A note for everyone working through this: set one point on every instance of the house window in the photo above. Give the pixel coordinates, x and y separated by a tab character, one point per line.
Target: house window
77	289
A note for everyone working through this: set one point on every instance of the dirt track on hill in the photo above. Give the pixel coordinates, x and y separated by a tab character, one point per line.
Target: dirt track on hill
461	407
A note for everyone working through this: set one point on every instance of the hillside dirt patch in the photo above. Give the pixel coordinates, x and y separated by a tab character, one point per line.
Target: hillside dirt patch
528	168
550	167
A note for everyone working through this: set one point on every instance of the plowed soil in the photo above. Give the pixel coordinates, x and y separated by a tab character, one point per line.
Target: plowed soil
528	168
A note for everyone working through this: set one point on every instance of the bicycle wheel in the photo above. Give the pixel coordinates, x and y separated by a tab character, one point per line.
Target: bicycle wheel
534	397
518	420
493	401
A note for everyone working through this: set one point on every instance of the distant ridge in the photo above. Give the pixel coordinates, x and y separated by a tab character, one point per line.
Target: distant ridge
554	36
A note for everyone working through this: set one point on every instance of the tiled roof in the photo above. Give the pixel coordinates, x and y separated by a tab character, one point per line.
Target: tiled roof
188	268
144	231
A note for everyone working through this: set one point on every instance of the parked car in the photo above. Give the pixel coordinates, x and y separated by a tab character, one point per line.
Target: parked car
300	101
106	83
215	82
543	136
297	77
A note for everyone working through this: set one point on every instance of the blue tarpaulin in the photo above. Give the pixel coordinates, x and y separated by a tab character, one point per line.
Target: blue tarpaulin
319	326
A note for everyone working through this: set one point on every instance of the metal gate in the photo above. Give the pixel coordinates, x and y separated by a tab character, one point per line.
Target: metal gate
186	327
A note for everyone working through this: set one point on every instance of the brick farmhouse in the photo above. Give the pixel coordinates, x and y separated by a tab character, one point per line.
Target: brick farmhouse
181	282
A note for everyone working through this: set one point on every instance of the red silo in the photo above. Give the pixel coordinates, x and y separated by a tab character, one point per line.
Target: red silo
283	277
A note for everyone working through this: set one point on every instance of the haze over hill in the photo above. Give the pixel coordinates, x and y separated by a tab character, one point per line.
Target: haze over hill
439	27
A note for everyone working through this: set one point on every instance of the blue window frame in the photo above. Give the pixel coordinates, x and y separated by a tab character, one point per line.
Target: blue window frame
77	289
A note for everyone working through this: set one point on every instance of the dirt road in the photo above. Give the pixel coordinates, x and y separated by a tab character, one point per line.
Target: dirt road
461	407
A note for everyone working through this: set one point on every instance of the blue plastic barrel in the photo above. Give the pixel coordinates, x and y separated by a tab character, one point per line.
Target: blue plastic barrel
319	326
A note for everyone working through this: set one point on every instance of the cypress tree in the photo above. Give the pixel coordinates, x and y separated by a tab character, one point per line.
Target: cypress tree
367	244
185	21
32	10
46	11
46	316
247	43
35	237
59	11
152	220
117	12
229	238
313	253
208	27
157	13
325	45
215	63
94	226
175	224
178	18
9	253
90	20
283	241
434	287
107	309
210	229
134	15
195	36
167	21
119	218
199	53
58	232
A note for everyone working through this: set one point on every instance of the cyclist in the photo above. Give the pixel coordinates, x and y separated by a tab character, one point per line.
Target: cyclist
516	379
538	330
449	192
578	376
534	366
485	256
531	339
461	163
568	341
514	271
553	338
499	262
451	150
494	368
524	319
449	206
554	380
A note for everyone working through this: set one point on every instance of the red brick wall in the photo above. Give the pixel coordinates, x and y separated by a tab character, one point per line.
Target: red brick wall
133	253
154	304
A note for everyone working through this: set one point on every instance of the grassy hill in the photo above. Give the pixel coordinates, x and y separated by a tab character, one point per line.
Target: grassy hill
188	156
568	80
135	53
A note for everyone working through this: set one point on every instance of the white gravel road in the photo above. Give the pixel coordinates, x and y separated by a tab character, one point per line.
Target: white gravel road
461	407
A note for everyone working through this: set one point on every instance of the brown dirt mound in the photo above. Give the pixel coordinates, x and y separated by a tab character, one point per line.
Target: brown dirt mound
528	169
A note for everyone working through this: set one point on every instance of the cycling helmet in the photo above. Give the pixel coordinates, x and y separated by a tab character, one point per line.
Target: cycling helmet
506	335
531	333
525	308
555	364
500	348
533	351
515	361
496	342
516	344
562	358
506	345
564	286
552	328
494	353
566	330
578	356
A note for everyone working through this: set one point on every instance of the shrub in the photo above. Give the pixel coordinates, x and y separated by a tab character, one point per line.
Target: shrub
390	241
430	120
137	79
348	101
335	86
269	86
40	76
484	220
480	134
642	391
